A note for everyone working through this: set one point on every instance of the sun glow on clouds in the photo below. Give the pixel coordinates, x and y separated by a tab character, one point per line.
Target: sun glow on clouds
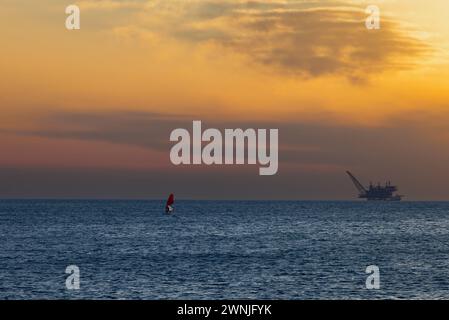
133	54
289	62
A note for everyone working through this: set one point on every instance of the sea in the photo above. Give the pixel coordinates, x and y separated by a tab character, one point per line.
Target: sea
130	249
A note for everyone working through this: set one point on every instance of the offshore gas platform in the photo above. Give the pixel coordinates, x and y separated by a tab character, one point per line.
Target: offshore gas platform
376	192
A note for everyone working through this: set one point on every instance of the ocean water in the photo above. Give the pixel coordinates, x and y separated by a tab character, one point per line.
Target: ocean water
223	249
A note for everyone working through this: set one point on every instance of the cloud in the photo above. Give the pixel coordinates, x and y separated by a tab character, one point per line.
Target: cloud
300	38
307	142
313	157
143	129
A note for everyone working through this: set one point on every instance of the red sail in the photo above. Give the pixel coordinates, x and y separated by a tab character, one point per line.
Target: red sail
171	199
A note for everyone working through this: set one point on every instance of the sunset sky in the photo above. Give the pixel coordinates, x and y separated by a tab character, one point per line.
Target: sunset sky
88	113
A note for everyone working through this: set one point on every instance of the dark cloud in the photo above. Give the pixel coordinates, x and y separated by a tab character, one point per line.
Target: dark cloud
309	142
144	129
313	157
303	38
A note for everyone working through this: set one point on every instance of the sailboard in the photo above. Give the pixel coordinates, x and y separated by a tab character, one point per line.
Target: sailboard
169	205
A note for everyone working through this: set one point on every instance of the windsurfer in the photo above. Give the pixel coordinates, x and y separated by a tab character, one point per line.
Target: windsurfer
169	205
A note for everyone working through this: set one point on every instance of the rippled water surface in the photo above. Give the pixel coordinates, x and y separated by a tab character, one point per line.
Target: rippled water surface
223	249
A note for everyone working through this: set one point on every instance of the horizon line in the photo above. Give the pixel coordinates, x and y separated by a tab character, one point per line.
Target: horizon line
196	199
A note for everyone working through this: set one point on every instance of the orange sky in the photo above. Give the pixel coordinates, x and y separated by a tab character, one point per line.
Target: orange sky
271	62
